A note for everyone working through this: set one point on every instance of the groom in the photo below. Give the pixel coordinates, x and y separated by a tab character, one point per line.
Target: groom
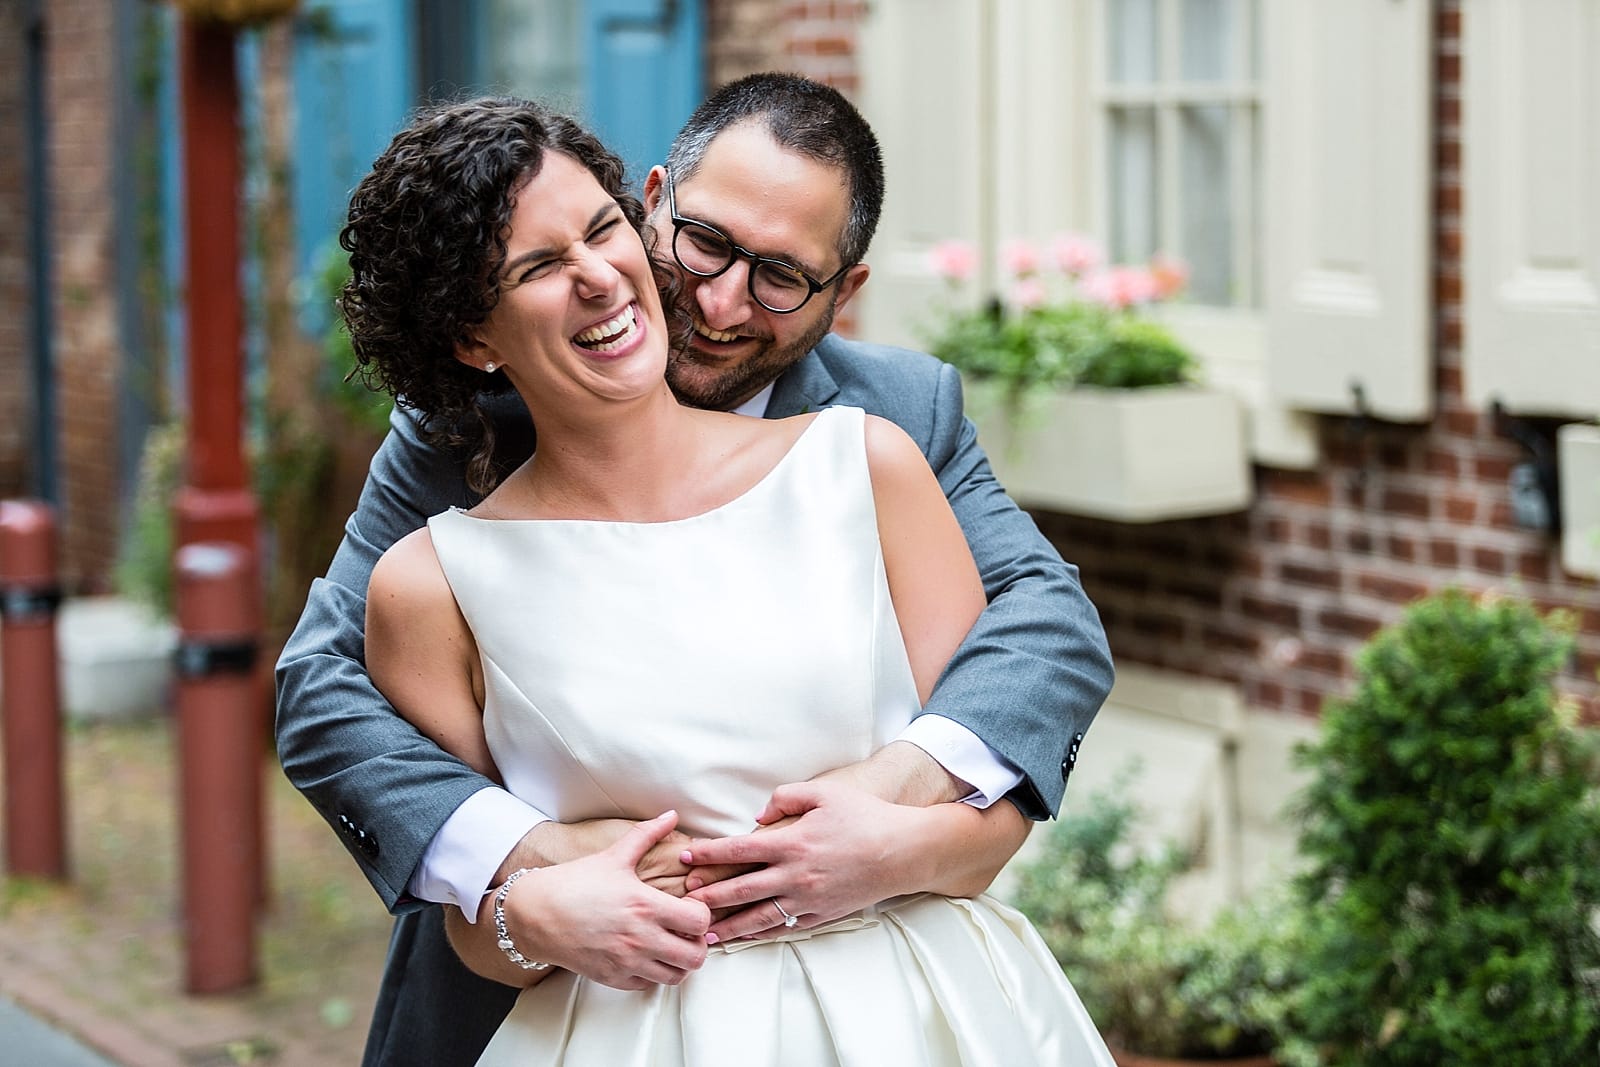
740	219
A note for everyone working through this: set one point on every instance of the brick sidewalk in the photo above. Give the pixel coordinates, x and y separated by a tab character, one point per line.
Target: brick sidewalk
102	957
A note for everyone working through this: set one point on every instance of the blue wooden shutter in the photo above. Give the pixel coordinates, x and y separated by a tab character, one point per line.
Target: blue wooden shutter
354	85
641	74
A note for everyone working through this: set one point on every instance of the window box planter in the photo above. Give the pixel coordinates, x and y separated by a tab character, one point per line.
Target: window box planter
1578	446
1128	455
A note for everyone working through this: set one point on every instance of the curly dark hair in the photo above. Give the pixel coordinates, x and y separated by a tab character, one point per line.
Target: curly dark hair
427	234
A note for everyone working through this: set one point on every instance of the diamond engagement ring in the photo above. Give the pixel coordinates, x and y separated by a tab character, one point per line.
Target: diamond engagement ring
788	920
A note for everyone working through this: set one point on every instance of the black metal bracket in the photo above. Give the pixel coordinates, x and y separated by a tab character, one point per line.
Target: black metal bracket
201	659
1536	479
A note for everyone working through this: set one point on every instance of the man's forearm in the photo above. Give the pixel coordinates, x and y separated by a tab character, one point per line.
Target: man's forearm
902	773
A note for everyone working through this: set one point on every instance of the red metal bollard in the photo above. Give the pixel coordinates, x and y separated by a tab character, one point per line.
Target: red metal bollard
30	691
220	750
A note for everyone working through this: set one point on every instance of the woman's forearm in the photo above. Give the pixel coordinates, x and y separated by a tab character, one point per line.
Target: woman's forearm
478	947
961	849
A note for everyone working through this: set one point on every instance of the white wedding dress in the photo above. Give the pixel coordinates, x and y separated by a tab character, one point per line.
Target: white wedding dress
697	664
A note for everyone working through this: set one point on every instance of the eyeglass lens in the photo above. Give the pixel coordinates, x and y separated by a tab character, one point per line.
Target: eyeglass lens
706	252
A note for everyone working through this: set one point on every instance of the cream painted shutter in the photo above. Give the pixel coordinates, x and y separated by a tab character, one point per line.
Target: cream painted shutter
1348	204
923	89
1531	109
980	108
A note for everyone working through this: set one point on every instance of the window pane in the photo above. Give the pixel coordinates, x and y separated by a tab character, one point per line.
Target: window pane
1133	55
536	50
1134	160
1206	40
1207	207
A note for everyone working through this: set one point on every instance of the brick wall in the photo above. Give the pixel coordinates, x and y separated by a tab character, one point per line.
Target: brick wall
81	65
15	398
742	37
1278	600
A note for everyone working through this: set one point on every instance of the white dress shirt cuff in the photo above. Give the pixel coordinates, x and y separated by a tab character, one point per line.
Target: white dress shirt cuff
964	754
463	856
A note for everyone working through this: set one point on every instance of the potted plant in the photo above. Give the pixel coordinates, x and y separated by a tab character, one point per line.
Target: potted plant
1162	992
1453	840
1085	404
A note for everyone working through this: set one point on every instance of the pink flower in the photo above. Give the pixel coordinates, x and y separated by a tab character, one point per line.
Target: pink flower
1020	257
1076	254
1169	274
1120	287
954	261
1028	293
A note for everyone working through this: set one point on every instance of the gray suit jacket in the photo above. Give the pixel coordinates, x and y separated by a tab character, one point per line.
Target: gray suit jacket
1028	679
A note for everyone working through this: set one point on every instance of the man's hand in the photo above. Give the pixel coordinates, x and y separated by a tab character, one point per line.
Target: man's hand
825	849
552	842
593	916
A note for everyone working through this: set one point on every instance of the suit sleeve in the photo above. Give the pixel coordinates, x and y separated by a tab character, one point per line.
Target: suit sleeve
383	787
1035	668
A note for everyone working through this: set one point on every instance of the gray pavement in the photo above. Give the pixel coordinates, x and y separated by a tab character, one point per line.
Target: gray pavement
29	1042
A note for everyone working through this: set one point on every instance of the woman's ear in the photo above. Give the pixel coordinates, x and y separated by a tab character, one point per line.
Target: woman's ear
475	354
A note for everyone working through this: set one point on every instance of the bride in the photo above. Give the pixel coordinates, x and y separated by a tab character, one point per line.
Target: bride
670	612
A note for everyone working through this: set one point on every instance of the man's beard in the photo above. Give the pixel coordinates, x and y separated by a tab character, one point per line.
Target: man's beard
718	388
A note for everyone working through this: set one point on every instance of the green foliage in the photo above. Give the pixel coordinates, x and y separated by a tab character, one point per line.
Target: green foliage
1454	845
1136	353
364	407
144	560
1061	344
1149	982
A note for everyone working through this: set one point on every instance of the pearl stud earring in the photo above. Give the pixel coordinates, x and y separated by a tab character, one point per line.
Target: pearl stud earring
490	367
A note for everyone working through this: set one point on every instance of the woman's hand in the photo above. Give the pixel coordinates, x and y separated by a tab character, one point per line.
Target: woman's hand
594	917
826	850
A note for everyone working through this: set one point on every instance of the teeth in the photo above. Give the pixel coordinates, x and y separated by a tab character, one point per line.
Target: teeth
715	335
609	334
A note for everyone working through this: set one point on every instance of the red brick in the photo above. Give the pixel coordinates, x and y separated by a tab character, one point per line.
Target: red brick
1490	561
1276	612
1343	622
1496	469
1403	548
1460	509
1299	487
1394	590
1406	502
1442	463
1309	575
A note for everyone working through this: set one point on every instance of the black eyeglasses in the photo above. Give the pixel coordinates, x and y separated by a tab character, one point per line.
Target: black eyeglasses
705	251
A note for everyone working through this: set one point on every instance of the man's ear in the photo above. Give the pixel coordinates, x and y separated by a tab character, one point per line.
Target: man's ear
851	283
655	184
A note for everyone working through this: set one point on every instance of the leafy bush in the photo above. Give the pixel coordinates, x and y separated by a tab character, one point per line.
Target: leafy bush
1454	842
1151	983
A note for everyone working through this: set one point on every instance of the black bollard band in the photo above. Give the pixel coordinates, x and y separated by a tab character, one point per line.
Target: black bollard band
201	659
20	603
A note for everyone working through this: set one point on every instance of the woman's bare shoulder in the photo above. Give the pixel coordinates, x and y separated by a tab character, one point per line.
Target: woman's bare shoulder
409	575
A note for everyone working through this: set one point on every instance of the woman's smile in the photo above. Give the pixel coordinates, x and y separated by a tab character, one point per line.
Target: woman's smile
615	336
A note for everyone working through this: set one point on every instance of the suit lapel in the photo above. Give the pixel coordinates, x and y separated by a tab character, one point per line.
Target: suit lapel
806	386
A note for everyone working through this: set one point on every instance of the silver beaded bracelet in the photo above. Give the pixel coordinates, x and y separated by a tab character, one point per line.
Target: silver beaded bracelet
506	945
